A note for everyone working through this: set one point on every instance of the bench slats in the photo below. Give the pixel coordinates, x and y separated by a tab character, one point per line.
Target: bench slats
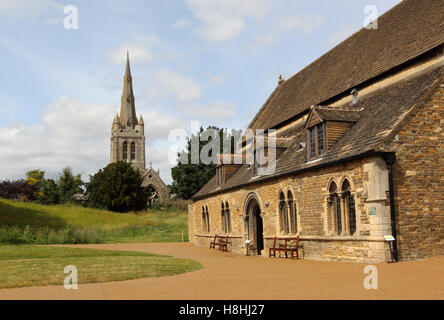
285	249
221	242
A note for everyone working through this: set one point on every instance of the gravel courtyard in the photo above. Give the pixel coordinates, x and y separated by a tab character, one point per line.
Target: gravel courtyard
232	276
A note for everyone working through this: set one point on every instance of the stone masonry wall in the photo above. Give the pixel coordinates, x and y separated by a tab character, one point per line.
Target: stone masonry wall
419	180
369	181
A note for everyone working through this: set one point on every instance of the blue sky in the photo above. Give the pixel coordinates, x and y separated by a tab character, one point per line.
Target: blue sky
212	61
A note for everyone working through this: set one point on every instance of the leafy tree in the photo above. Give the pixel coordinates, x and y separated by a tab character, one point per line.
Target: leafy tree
35	177
48	193
189	178
19	190
117	187
68	185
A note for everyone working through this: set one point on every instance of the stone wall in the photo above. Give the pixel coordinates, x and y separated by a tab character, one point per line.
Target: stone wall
369	181
419	179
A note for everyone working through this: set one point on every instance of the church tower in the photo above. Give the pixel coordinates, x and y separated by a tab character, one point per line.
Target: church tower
128	133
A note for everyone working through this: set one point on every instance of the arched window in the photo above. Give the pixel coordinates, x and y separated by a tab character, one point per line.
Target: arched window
208	218
349	206
283	216
292	211
204	220
125	150
334	209
133	150
228	217
222	218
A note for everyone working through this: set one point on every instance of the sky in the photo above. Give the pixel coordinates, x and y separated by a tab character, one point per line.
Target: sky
211	61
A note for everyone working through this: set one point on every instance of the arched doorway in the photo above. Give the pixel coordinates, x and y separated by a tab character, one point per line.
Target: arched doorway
254	226
153	196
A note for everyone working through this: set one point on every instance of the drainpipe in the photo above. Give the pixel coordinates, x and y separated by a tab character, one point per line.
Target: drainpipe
390	159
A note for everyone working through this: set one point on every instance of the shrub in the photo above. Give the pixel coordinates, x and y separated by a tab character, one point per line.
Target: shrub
118	187
18	190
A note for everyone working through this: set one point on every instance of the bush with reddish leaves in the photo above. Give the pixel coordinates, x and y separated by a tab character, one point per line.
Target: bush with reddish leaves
18	190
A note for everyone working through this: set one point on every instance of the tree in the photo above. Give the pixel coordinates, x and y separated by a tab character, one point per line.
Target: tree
189	178
117	187
18	190
35	177
68	185
48	193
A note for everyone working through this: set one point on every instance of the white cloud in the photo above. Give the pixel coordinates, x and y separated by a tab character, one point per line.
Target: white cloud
158	125
304	24
75	134
140	49
30	9
223	20
180	23
214	112
170	85
219	79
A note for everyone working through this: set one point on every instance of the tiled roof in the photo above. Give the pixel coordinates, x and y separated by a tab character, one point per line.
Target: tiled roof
407	31
381	112
348	114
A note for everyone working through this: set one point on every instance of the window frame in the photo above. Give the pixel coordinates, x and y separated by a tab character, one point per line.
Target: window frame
125	150
133	151
314	131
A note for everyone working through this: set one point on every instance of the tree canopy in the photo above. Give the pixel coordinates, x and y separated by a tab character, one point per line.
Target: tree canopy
117	187
188	177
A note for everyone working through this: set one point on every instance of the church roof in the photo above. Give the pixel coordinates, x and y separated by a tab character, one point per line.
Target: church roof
407	31
381	113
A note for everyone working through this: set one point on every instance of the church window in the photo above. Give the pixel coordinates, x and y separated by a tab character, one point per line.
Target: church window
125	150
207	214
222	218
283	214
334	210
133	150
225	217
349	206
292	210
228	217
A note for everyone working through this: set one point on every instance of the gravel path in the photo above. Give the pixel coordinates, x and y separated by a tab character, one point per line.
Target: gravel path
232	276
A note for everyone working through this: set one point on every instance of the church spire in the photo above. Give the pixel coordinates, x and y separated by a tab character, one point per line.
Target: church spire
127	109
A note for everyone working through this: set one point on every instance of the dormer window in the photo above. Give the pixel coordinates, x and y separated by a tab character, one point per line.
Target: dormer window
317	141
326	125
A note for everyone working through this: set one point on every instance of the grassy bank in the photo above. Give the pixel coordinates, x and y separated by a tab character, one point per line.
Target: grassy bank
22	222
24	266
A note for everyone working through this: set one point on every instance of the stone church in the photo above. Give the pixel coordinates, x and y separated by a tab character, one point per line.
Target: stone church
359	152
128	140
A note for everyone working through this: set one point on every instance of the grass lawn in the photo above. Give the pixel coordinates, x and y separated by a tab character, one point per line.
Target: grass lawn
49	224
24	266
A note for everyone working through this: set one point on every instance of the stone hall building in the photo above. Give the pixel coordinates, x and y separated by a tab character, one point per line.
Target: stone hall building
128	139
359	151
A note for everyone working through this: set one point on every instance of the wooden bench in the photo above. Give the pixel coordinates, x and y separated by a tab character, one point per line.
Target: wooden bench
286	248
221	242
